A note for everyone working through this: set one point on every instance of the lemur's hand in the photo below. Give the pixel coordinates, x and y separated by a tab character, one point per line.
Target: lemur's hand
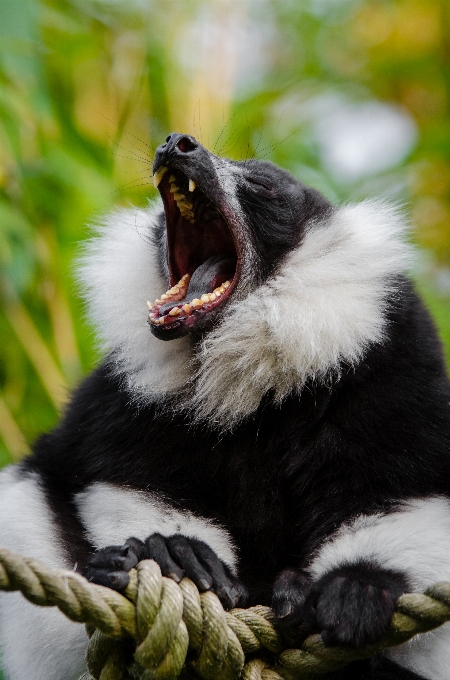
177	556
350	606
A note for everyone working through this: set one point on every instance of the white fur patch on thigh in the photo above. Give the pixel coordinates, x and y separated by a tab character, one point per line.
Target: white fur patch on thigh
37	642
112	514
415	541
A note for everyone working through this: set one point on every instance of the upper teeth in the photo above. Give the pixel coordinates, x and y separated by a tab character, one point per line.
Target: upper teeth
192	185
184	206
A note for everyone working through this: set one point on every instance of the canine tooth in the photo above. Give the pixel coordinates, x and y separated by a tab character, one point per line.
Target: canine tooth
174	311
158	175
192	185
196	302
174	290
149	306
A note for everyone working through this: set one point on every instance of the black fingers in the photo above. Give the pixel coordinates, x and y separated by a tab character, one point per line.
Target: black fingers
156	549
289	594
226	586
117	580
137	547
239	593
179	555
182	550
110	566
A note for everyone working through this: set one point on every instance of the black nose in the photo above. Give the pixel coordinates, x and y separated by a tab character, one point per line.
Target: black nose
175	145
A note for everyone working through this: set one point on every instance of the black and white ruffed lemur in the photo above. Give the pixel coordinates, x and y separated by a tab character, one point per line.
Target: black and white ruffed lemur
276	427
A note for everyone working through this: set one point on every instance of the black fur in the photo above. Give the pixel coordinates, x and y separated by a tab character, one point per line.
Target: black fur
286	478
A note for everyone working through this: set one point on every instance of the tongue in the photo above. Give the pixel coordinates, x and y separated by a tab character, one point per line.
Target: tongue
210	275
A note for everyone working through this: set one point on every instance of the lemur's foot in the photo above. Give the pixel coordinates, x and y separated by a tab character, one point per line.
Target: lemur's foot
177	556
350	606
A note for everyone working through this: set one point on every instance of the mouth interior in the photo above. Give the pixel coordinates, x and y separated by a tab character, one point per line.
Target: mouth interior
201	252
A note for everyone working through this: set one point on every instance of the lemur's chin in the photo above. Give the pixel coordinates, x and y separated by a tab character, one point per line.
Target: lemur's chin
203	258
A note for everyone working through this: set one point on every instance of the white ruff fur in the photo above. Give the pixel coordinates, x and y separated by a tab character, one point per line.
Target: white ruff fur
325	306
112	514
118	273
37	643
414	541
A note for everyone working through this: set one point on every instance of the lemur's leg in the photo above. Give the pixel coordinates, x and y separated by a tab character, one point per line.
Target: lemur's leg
349	591
36	642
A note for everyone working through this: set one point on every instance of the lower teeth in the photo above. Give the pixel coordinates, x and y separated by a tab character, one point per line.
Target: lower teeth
187	308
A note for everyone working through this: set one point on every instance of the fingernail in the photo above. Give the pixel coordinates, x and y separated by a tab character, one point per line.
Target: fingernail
284	610
174	576
203	585
226	596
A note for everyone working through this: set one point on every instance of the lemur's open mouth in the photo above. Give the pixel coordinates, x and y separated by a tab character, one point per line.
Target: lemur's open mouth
202	256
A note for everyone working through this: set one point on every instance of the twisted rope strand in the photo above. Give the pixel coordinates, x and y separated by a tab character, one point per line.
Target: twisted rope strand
148	633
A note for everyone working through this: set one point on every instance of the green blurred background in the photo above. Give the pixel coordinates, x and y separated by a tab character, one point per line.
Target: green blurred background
352	96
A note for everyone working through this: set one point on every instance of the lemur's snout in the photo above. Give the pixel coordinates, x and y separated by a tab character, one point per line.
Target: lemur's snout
175	145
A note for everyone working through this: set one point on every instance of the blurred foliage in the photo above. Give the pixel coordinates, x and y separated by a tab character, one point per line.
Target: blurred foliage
88	88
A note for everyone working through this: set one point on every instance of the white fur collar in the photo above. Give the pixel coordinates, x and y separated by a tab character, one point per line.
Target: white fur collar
118	274
326	306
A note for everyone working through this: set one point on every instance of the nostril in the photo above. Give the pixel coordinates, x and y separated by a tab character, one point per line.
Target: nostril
186	145
168	138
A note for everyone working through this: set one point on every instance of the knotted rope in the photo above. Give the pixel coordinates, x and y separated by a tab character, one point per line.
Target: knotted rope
160	630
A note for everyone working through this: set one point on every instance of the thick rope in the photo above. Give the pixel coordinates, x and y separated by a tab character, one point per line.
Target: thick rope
160	630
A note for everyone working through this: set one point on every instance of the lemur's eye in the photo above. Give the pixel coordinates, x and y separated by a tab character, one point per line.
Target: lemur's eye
263	185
